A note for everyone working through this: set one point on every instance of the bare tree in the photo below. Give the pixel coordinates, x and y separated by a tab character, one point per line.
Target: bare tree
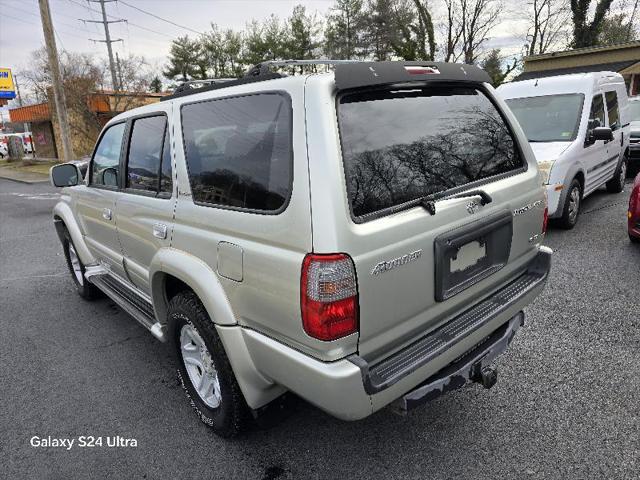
549	19
468	25
477	19
453	32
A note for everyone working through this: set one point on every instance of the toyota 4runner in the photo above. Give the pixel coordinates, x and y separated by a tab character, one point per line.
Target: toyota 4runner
360	237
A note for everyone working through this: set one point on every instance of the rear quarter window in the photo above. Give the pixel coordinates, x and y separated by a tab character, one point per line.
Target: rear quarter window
400	145
238	151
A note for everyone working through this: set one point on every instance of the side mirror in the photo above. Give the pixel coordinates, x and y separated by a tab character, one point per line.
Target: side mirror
110	177
600	133
65	175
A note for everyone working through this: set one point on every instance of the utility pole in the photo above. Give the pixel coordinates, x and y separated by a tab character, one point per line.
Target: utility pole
108	41
58	90
25	125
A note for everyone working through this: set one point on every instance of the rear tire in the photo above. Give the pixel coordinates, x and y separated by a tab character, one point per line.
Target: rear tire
633	239
616	184
571	207
86	290
204	370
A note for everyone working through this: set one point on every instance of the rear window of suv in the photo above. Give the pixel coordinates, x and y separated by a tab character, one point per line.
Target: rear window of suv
238	151
401	145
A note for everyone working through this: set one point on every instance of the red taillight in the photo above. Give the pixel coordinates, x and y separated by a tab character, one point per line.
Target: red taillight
329	296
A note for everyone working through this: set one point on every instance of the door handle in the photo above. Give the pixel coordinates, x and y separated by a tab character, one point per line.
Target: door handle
106	213
160	231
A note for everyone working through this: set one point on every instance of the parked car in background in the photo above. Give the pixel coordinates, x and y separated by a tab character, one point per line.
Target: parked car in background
633	152
27	140
4	150
389	263
633	215
578	128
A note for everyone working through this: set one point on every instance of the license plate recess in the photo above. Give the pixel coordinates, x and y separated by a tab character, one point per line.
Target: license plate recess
487	241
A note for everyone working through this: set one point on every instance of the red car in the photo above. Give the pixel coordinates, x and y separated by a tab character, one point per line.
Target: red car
634	212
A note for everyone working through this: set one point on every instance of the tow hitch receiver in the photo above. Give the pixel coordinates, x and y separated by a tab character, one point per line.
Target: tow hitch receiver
485	376
473	366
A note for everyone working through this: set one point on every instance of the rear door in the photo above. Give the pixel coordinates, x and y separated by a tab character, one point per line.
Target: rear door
145	207
416	268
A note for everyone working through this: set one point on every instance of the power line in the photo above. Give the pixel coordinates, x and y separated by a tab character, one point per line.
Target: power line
128	22
34	23
107	40
160	18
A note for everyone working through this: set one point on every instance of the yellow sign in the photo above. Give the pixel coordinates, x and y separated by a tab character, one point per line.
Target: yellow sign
7	89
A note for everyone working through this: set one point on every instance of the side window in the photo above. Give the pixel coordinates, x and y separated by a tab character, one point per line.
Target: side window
145	153
238	151
596	115
105	166
612	110
166	179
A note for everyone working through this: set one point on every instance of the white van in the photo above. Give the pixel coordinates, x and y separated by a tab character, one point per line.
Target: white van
578	128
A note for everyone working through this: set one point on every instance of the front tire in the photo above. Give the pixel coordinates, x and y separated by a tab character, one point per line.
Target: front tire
616	184
571	208
204	370
85	289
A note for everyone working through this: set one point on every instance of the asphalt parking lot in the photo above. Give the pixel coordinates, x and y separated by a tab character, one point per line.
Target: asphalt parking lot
566	405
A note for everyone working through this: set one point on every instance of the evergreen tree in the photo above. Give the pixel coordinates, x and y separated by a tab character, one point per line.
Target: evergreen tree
492	64
302	34
344	33
184	54
585	32
156	85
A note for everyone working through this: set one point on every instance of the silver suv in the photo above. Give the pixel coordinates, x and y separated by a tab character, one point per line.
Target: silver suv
360	237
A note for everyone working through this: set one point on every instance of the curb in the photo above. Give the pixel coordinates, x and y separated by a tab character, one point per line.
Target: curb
25	182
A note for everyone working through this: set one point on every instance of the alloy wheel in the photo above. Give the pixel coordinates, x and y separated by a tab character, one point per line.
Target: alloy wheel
75	264
574	204
200	367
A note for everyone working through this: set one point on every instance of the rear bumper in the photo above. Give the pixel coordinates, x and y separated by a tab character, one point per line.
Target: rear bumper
351	389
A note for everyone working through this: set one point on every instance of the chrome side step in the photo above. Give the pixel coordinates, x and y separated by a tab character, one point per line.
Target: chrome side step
94	270
134	303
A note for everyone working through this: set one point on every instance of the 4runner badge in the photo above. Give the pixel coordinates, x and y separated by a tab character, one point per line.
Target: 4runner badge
396	262
472	207
526	208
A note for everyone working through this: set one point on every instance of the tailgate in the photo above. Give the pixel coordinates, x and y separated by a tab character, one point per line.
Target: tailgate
416	268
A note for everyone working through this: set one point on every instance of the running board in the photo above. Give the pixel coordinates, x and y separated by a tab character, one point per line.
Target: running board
130	301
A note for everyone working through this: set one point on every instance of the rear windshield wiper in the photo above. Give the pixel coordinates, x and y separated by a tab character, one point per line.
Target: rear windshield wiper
429	202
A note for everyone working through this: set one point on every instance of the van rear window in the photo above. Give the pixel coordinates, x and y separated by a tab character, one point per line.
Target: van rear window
400	145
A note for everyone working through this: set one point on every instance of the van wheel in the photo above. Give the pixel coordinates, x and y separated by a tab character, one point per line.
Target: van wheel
571	208
204	370
86	290
616	184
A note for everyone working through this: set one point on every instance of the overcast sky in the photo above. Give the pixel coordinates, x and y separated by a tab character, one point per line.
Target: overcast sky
21	31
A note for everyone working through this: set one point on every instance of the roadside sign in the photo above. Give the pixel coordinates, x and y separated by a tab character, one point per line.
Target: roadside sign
7	88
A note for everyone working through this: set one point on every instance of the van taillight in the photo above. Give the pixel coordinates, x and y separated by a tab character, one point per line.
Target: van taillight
329	296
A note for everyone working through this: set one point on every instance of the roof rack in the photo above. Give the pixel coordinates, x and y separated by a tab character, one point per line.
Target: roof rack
189	85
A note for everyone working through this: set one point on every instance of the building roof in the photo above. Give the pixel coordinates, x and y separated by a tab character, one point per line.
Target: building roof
31	113
600	67
583	51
